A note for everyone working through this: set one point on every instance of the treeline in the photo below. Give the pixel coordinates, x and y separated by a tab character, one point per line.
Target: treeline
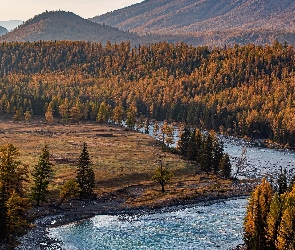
17	194
241	90
270	216
206	150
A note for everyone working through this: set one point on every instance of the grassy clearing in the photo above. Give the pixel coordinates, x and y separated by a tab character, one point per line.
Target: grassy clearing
122	160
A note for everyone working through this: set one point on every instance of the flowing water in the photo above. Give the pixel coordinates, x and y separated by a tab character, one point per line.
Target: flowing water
215	226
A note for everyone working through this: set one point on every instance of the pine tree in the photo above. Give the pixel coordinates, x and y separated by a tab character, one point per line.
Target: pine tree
256	215
85	174
42	174
225	167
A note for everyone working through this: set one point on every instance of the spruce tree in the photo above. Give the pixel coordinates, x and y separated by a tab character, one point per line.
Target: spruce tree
207	154
225	167
42	175
282	181
217	146
192	147
85	174
184	140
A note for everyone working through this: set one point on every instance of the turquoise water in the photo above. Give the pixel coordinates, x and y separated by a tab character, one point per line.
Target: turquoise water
216	226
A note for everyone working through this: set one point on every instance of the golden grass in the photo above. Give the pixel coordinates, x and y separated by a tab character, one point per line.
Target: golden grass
120	159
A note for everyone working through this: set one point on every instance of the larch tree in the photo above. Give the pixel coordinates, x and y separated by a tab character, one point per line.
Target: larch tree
255	223
162	175
273	221
12	177
42	175
286	231
69	190
85	174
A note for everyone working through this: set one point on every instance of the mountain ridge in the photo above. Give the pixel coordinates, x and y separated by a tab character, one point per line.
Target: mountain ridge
62	25
178	16
236	20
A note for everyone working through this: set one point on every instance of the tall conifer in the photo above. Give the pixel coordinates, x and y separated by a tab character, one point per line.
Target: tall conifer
42	174
85	174
256	215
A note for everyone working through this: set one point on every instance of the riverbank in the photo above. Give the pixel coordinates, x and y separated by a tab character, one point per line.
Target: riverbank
75	210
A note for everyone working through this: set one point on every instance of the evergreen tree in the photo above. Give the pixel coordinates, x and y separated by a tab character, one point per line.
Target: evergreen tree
206	156
225	167
85	174
182	144
255	224
217	146
42	174
282	181
192	147
273	221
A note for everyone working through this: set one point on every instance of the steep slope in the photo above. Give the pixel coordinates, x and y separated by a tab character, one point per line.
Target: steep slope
202	15
241	19
61	25
3	31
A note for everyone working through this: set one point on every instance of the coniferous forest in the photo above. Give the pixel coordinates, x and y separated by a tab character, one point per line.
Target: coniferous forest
239	90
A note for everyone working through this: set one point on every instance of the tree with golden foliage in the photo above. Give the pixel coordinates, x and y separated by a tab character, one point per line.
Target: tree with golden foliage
255	223
286	231
273	221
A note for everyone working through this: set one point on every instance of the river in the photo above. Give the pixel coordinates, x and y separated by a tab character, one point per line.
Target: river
215	226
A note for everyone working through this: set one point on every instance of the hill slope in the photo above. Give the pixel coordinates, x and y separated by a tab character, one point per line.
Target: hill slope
3	30
61	25
246	19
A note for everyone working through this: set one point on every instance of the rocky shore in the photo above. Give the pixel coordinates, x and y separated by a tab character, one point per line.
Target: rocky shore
37	238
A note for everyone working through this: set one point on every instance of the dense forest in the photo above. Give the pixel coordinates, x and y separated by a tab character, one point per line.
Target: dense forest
240	90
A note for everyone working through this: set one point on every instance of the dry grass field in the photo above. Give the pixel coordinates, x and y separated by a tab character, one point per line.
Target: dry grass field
123	160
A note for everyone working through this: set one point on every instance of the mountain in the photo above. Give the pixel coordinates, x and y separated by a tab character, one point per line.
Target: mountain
61	25
224	21
10	25
3	31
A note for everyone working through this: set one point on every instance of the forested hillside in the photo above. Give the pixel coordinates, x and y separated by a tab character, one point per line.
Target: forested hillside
242	90
62	25
210	22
